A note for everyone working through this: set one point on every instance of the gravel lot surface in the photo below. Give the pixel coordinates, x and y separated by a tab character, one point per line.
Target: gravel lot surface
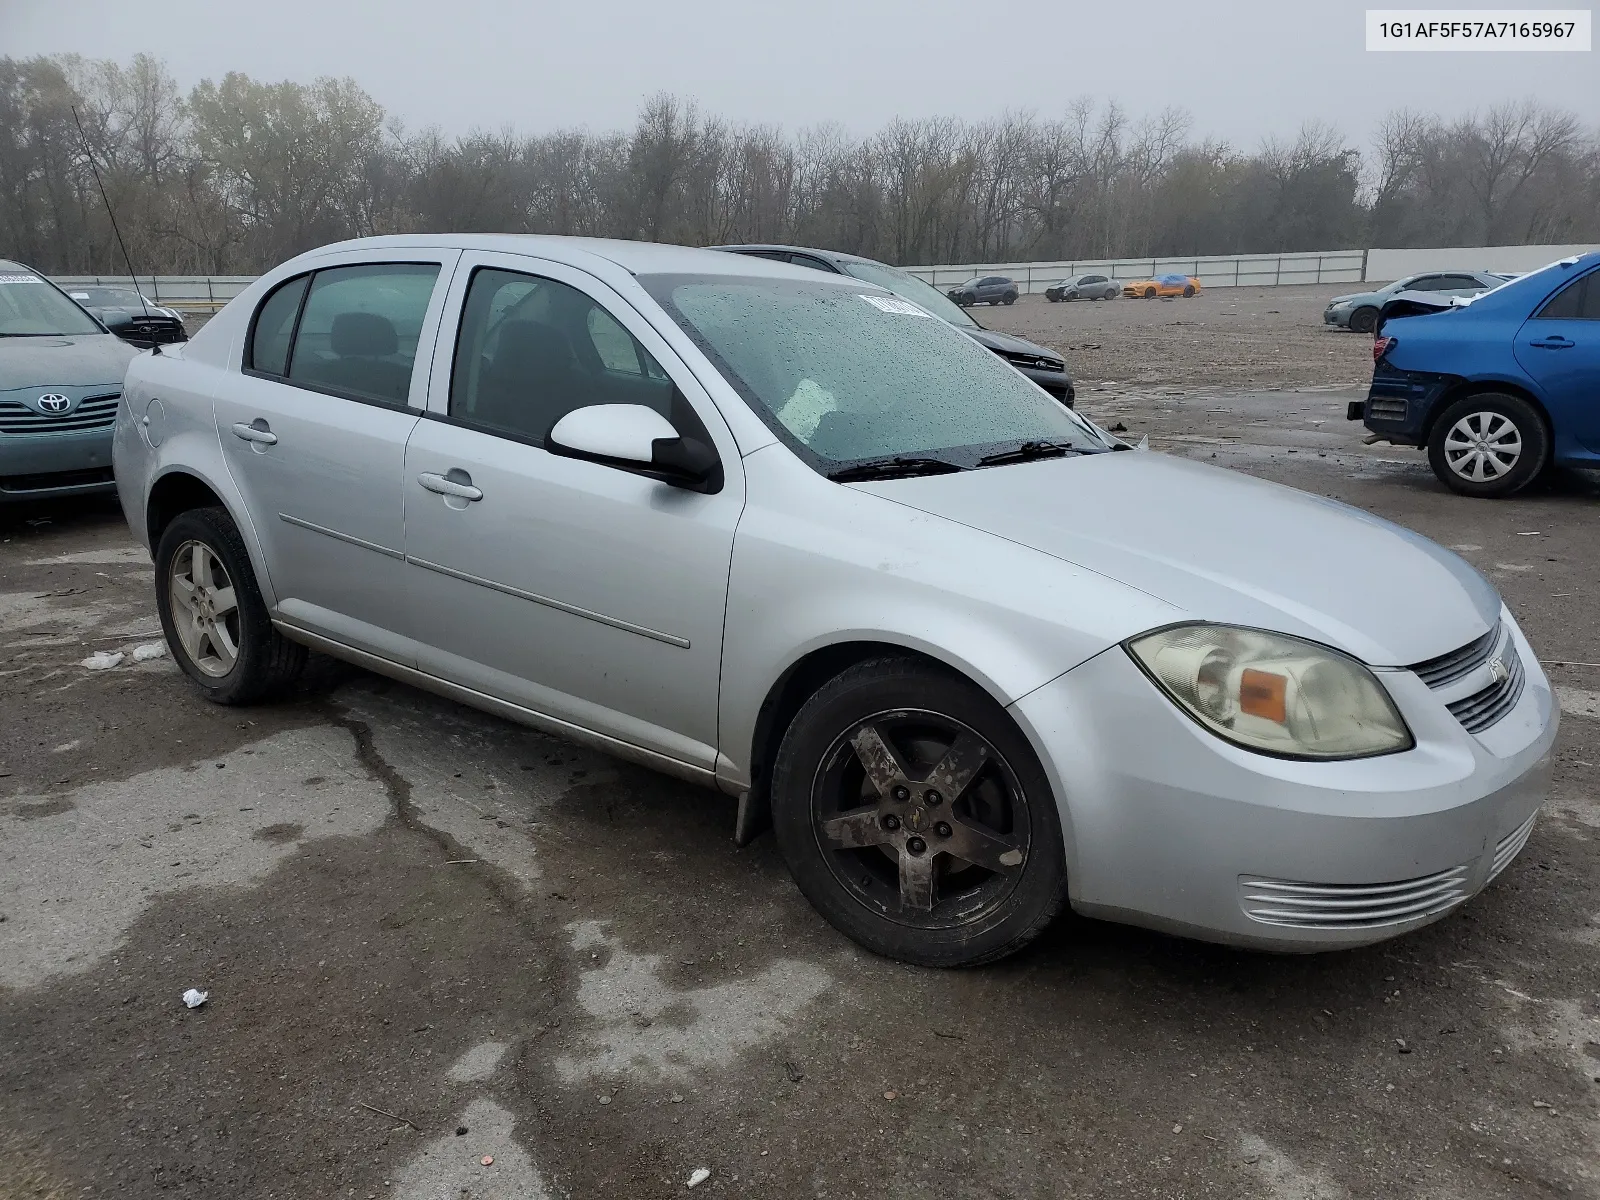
432	939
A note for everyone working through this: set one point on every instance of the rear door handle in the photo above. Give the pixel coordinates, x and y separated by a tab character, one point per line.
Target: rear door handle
1556	342
462	489
257	431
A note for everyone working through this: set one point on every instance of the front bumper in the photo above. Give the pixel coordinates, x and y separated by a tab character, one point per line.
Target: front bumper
55	465
1168	826
1057	383
1337	316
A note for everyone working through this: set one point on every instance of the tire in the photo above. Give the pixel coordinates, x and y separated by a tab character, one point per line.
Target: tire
1489	445
1010	297
1111	294
202	548
865	848
1188	289
1364	320
1053	299
1149	293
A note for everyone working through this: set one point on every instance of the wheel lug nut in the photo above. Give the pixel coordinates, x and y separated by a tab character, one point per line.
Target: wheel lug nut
932	797
916	845
901	794
891	822
942	829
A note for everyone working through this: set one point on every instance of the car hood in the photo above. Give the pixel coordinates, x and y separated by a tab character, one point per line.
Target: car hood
1353	297
1005	343
87	359
127	312
1223	546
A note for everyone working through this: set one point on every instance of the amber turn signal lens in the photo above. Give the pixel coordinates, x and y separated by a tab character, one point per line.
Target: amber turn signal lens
1264	694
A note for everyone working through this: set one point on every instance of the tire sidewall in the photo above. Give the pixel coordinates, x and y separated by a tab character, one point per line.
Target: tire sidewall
216	530
1530	425
1363	320
887	685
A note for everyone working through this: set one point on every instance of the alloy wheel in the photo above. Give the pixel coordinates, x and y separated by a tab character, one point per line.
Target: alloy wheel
1483	446
205	609
921	819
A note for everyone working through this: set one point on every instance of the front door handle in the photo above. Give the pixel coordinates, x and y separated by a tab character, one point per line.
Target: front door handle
460	487
1554	342
257	431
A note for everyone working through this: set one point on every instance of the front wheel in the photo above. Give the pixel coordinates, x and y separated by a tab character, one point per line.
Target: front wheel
1149	293
213	615
1489	445
916	818
1363	320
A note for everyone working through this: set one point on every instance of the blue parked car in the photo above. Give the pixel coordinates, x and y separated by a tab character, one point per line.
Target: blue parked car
1497	387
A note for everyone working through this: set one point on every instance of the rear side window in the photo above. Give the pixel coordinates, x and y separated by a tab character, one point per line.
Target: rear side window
352	331
269	342
359	329
1578	301
1453	283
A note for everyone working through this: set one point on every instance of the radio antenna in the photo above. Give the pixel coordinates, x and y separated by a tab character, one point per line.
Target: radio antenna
155	346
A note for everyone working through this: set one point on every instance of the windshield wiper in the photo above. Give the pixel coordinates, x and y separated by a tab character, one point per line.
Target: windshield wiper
899	467
1029	451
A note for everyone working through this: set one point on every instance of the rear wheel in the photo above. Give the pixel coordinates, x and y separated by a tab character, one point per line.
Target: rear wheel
1489	445
1111	294
914	815
212	613
1010	297
1188	289
1364	320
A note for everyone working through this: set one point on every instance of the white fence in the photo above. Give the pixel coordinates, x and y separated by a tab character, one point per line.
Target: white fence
207	293
1230	270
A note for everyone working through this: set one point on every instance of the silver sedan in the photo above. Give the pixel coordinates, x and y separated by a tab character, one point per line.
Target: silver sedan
786	535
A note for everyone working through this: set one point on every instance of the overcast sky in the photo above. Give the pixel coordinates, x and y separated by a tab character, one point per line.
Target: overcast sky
1242	68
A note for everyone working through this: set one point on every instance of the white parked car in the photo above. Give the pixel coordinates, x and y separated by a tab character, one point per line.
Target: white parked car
785	534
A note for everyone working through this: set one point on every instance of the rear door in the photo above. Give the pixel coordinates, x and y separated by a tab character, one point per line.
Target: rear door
585	593
1559	347
314	431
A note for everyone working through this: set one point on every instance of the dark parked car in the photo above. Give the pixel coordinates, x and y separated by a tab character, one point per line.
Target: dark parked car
1045	367
135	319
1084	287
1497	386
991	289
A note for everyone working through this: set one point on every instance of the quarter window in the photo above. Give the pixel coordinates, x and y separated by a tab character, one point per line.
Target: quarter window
531	350
269	342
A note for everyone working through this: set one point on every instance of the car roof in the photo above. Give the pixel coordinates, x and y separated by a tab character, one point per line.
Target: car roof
638	258
11	267
836	256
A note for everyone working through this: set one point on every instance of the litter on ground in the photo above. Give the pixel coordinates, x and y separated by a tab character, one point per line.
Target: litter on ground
148	651
194	997
102	660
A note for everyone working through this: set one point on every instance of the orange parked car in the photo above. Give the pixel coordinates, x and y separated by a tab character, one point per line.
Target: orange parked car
1162	285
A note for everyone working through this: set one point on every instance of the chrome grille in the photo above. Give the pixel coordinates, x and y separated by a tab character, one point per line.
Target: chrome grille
1352	906
93	412
1448	668
1483	708
1511	845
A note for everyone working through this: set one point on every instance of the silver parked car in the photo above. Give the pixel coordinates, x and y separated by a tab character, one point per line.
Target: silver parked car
1084	287
60	383
743	522
1358	312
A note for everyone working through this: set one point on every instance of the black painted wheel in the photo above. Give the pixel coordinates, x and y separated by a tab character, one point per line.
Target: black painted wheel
1188	289
914	815
1363	320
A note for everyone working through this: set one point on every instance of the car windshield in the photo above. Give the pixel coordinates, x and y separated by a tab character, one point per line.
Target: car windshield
30	307
846	376
104	297
913	289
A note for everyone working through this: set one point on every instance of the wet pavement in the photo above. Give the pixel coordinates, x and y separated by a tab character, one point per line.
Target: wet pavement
431	938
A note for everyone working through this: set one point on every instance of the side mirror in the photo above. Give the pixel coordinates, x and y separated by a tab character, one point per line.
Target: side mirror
632	437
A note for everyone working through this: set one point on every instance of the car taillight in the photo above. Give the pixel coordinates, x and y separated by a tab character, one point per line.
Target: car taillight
1382	346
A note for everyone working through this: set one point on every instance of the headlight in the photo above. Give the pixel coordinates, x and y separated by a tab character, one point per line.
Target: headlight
1273	693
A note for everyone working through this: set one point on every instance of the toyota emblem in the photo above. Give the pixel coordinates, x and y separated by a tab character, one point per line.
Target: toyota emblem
1498	671
54	402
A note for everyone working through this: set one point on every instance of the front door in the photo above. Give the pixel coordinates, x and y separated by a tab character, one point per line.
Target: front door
582	592
1559	346
314	433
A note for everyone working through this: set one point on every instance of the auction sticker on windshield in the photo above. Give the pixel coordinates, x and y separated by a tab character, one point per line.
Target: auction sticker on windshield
20	279
892	304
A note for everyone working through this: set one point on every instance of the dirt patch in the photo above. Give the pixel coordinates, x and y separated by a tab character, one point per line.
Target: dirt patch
1248	337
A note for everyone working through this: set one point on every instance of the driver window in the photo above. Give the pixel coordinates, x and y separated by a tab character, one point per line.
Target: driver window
530	350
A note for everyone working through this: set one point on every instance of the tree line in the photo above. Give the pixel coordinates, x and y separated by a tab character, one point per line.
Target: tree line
237	175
